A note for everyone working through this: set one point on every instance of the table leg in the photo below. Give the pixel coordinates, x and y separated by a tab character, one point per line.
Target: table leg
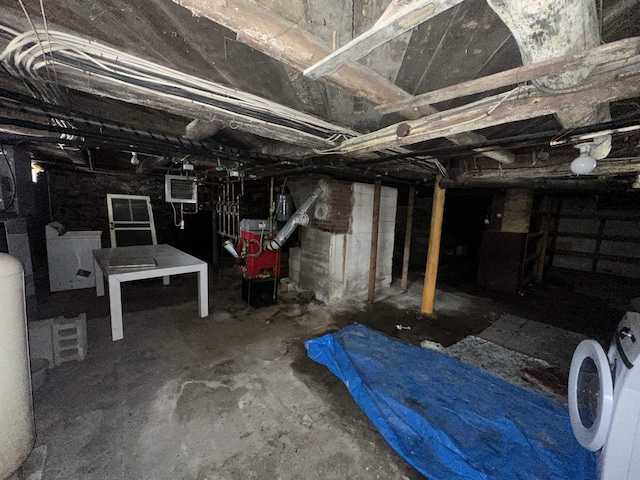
115	304
203	292
165	280
99	279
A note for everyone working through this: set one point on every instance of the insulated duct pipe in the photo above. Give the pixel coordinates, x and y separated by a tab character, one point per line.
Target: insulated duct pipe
300	217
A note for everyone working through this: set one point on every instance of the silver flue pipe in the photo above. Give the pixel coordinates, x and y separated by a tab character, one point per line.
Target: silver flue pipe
300	217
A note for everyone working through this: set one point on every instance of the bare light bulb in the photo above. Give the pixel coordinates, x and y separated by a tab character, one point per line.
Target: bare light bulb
585	163
134	158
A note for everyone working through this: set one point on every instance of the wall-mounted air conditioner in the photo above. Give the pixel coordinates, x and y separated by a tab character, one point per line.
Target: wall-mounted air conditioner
178	189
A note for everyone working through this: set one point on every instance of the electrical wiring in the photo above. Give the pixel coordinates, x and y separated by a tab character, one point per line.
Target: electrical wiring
85	57
13	179
175	215
125	136
26	13
22	59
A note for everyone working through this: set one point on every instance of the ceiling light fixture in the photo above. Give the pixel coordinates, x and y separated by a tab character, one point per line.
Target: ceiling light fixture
134	158
585	163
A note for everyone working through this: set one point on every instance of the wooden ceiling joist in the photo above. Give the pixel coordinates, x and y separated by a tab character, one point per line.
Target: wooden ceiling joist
519	104
609	166
607	54
287	42
400	17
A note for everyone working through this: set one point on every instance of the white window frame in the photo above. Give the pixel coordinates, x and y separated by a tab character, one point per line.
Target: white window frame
133	225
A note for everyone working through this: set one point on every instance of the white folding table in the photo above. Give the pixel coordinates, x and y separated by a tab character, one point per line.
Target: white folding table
123	264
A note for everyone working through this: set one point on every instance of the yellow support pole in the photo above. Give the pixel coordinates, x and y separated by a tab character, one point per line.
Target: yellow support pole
433	255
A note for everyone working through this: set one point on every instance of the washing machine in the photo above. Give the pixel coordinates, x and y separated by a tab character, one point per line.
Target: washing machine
604	400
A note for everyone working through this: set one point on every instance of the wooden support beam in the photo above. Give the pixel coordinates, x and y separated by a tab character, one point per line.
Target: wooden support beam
407	238
433	255
569	26
400	17
375	226
287	42
620	51
608	166
215	247
525	103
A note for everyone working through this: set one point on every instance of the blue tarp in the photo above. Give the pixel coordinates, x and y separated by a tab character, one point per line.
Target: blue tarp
451	420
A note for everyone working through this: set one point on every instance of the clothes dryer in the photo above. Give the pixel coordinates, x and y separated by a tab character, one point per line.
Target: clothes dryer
604	400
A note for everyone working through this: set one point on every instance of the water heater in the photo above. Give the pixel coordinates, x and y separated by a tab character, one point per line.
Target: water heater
17	430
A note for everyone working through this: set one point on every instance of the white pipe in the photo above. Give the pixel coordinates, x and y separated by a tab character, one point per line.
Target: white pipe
229	248
300	217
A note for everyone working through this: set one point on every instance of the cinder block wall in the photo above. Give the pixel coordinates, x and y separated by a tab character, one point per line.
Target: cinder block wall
333	260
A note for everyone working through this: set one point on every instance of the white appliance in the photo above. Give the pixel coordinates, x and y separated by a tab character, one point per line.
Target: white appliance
17	431
604	400
70	257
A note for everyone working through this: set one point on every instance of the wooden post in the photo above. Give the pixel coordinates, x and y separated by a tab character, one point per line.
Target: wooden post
433	255
407	237
375	223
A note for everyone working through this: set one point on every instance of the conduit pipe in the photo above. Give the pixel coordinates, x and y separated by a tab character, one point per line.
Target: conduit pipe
300	217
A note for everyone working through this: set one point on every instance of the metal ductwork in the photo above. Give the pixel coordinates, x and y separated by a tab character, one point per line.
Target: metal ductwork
300	217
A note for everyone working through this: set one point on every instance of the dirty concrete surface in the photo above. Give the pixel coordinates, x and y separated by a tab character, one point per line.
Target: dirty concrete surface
229	396
225	397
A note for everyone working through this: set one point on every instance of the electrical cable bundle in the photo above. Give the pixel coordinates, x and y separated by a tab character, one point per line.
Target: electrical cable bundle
29	54
35	56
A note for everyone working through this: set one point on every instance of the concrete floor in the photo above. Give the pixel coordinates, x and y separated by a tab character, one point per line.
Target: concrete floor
231	396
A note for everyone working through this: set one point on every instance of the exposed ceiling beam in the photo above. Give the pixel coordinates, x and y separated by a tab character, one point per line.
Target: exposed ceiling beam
521	104
605	54
544	29
103	84
287	42
609	166
400	17
553	184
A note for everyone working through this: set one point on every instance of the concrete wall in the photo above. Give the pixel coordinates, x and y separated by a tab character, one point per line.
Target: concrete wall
358	242
333	260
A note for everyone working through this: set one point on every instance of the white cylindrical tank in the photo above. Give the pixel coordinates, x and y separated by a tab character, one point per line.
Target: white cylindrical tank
17	430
